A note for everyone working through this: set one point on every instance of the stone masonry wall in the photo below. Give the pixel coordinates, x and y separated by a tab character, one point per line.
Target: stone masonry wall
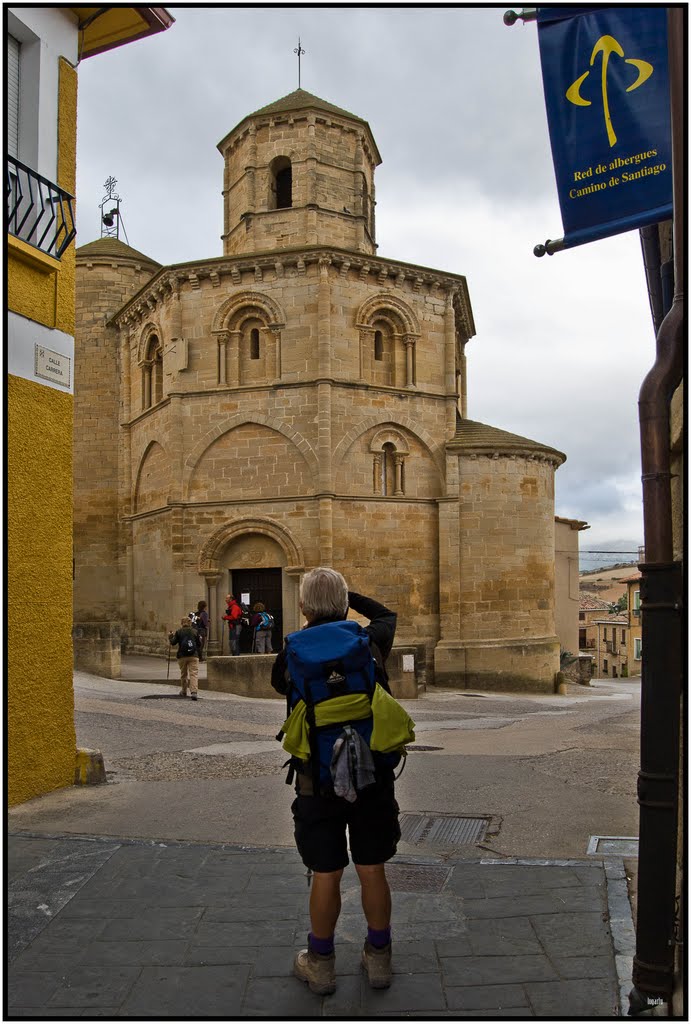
102	288
332	184
507	543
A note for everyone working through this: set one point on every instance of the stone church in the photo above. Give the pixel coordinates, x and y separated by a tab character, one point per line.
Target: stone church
300	401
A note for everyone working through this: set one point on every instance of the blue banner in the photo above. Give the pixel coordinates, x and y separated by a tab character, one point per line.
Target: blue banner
606	81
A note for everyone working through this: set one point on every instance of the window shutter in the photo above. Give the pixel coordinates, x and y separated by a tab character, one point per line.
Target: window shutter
13	46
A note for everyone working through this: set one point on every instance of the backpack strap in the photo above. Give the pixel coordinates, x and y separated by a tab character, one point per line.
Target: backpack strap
313	736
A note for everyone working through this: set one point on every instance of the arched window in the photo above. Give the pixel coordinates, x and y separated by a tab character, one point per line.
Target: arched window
387	469
157	375
281	194
254	343
389	451
152	373
256	356
378	346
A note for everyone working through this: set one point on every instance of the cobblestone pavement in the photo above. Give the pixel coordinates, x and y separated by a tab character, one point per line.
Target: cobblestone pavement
175	891
106	928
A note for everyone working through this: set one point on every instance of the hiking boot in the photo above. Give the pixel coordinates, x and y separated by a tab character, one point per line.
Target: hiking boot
318	971
377	964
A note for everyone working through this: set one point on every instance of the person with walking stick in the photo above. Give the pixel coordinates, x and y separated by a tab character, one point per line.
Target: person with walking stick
186	639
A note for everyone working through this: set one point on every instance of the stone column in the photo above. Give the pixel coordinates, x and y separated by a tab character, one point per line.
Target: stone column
251	171
272	336
146	396
377	487
398	473
215	625
464	386
409	362
311	162
234	375
222	357
366	346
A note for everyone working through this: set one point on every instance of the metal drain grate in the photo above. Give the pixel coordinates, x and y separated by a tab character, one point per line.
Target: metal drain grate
416	877
441	829
421	746
613	846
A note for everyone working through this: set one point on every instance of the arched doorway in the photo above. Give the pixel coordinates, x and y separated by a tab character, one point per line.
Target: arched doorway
259	559
265	585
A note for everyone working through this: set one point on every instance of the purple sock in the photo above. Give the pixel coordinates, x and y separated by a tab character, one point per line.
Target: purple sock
378	938
324	947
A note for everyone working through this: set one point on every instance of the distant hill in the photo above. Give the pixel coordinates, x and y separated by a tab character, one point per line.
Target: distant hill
607	583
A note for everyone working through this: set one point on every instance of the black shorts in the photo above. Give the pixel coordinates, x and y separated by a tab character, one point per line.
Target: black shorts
371	821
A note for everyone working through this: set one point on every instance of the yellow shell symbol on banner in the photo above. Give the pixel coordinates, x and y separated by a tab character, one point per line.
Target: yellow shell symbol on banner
607	45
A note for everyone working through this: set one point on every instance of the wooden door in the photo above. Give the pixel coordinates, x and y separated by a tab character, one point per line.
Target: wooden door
263	585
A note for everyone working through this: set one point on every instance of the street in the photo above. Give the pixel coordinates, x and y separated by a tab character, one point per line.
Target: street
547	772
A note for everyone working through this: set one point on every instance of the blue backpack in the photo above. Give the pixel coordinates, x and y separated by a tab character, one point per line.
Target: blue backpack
333	659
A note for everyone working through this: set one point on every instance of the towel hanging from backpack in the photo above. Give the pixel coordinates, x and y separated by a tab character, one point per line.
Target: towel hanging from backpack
349	707
352	767
393	726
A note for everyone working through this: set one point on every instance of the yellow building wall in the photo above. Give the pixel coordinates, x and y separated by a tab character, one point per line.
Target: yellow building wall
39	287
40	698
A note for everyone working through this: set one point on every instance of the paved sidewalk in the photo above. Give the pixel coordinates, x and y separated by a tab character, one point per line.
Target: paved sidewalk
144	668
132	928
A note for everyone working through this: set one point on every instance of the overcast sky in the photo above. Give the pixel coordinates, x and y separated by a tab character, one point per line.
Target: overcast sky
454	100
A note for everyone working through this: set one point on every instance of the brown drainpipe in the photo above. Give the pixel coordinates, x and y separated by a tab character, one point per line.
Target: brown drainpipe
661	609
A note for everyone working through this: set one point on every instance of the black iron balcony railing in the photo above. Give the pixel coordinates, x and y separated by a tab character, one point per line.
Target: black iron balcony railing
38	211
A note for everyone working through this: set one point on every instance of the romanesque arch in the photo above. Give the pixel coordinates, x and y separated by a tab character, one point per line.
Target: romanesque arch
153	480
388	330
227	313
150	362
399	312
150	328
215	545
403	422
395	460
292	435
248	327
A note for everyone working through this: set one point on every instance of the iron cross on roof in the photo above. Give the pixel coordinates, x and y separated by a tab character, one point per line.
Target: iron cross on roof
299	52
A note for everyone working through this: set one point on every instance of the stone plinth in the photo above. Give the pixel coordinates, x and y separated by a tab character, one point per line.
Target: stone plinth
249	675
499	665
97	648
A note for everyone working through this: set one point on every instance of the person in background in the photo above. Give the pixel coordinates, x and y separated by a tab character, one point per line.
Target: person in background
233	617
202	628
186	639
262	623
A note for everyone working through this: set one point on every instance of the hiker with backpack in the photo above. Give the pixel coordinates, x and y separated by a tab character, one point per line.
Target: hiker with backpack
261	623
201	622
186	639
346	734
233	617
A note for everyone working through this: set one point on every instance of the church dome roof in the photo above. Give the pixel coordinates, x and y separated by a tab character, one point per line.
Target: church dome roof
114	249
481	439
300	99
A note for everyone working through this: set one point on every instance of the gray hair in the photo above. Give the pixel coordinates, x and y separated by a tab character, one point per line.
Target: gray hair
324	594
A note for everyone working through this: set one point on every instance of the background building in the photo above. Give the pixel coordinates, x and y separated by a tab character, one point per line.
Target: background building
300	400
43	48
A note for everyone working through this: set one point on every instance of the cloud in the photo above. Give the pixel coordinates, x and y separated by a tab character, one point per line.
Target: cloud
455	103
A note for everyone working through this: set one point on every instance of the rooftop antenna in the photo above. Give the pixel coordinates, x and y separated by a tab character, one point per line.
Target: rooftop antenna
111	218
299	52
